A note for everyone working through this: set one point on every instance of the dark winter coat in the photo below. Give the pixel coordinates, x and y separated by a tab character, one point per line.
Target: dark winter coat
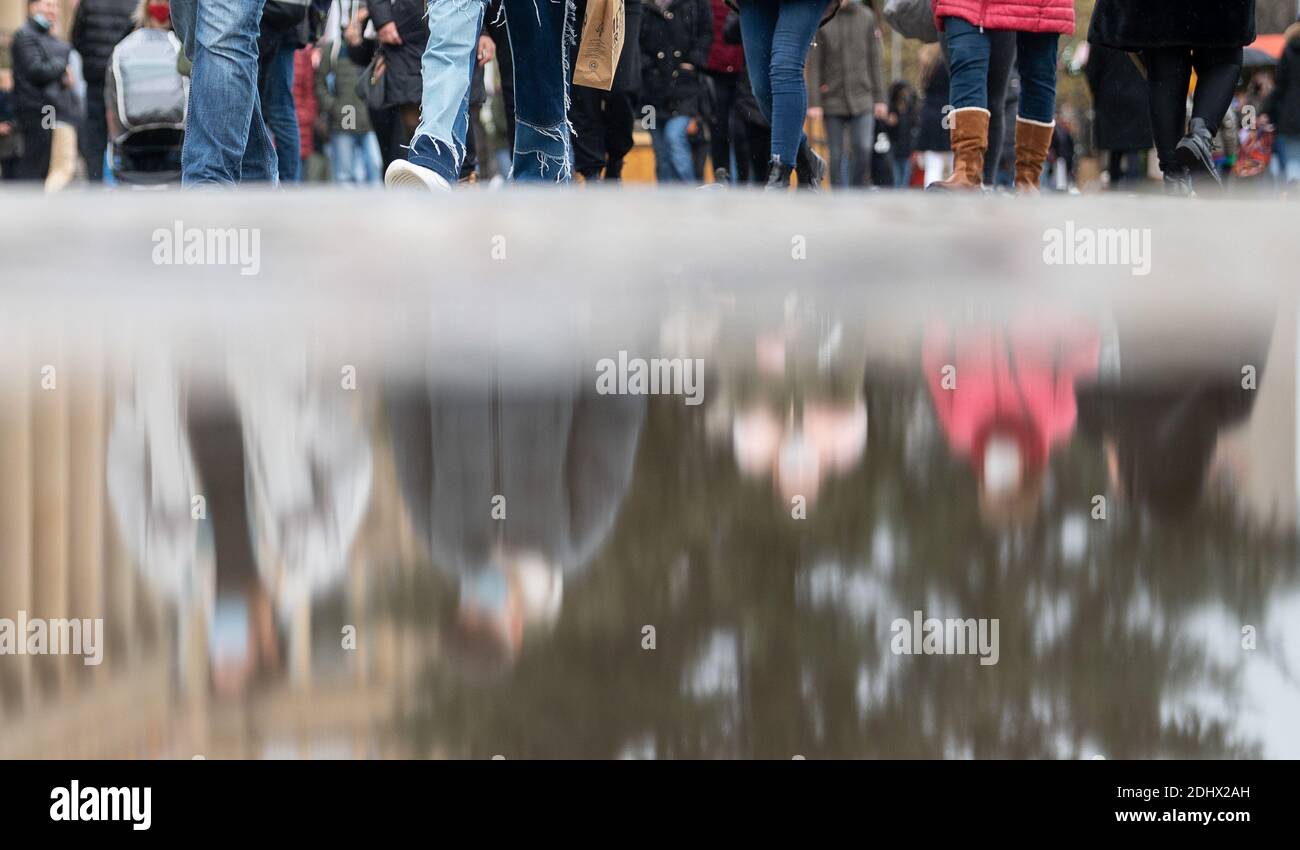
403	60
336	91
1139	24
97	28
844	74
39	59
1283	105
679	34
1119	96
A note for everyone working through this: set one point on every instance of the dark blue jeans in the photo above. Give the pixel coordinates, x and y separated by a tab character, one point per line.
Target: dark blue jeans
969	49
279	112
777	35
543	42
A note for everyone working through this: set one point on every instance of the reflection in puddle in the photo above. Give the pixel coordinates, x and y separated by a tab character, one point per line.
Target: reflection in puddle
483	561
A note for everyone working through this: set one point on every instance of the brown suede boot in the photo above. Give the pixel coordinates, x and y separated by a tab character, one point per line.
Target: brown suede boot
1033	138
970	140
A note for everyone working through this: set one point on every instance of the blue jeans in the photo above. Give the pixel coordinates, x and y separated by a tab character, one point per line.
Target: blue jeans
279	112
355	157
542	43
1289	147
969	49
777	35
446	71
225	137
673	160
853	169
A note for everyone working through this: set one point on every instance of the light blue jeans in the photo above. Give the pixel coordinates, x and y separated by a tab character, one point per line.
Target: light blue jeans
355	157
446	71
226	140
673	160
1290	146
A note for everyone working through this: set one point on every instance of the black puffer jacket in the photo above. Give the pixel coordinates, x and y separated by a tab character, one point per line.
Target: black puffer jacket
96	30
1283	105
672	36
1139	24
39	61
403	60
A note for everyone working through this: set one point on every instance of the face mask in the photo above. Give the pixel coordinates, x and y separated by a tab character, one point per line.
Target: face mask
41	21
160	12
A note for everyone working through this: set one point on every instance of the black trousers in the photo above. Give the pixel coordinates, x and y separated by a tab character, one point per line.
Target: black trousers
94	132
35	161
602	125
724	105
1169	72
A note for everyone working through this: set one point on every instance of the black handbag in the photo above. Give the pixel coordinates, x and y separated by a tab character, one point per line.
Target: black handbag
372	84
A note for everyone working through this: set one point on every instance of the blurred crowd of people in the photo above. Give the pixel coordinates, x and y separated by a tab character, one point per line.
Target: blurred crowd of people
346	91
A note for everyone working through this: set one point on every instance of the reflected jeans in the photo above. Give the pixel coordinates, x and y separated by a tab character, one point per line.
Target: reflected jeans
226	140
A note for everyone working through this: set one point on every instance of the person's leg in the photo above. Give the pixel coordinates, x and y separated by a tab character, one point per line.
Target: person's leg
280	114
1036	123
1217	72
1290	148
94	133
341	158
587	116
446	71
724	99
34	164
659	142
862	138
1002	57
796	25
618	133
371	158
224	134
542	43
835	126
757	27
1169	72
680	160
969	50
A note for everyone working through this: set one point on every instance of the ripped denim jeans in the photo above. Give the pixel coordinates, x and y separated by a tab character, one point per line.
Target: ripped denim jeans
446	70
543	42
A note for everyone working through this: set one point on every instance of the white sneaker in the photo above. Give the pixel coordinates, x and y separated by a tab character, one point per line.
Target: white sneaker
402	174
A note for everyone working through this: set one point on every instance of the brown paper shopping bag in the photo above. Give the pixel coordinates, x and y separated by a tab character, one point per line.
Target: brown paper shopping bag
601	44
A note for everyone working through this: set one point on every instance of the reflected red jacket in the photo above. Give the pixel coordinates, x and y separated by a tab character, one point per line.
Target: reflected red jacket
1018	15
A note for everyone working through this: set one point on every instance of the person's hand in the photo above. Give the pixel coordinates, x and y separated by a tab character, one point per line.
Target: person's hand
882	112
68	80
354	28
815	113
686	66
6	128
388	34
487	50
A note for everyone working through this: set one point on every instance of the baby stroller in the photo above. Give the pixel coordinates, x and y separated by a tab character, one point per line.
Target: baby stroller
146	99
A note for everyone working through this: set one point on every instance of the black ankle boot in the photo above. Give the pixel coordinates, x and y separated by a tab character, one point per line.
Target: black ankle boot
778	176
1196	151
1177	183
809	167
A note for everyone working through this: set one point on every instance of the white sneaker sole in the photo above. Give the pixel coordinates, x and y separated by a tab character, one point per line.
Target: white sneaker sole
407	175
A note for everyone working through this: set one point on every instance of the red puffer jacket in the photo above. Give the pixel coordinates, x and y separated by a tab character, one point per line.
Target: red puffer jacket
1017	15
